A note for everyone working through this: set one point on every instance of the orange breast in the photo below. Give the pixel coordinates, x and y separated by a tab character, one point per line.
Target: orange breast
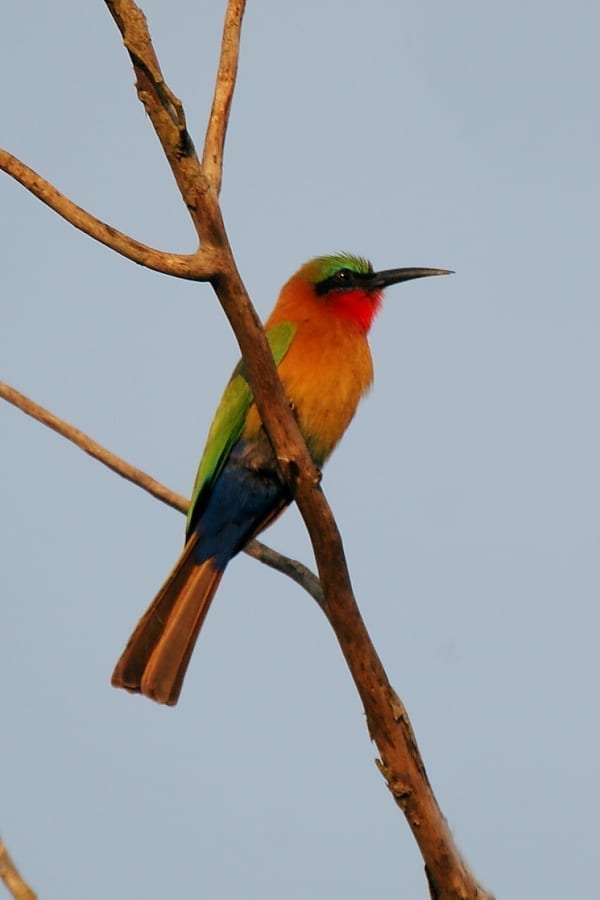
326	371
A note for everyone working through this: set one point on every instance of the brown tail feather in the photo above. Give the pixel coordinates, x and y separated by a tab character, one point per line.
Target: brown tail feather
157	654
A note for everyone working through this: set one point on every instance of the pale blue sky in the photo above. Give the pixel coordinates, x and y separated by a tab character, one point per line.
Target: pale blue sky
460	135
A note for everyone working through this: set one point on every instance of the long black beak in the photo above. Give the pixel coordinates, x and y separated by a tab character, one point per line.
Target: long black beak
380	280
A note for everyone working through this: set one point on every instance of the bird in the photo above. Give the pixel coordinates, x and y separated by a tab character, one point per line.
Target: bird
317	333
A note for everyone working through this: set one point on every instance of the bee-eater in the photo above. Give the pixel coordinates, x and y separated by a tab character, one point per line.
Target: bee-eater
317	333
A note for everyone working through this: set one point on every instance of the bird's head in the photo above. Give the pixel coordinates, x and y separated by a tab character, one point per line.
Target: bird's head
350	287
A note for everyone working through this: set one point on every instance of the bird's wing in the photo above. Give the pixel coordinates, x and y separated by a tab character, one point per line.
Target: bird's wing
230	416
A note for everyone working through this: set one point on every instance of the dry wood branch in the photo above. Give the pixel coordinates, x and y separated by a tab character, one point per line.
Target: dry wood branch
12	878
448	875
295	570
165	112
401	763
92	448
199	266
256	549
212	158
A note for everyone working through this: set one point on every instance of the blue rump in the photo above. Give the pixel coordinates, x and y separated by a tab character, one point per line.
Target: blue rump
247	495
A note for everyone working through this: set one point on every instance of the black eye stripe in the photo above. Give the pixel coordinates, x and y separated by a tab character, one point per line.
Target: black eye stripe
342	280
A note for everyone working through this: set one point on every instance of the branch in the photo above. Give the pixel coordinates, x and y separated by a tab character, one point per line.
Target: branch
295	570
165	112
448	875
259	551
12	878
198	266
214	144
93	449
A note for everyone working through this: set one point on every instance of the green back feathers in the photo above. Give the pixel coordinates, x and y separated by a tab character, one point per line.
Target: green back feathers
230	416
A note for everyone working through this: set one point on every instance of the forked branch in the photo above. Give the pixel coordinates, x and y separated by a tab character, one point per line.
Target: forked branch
199	266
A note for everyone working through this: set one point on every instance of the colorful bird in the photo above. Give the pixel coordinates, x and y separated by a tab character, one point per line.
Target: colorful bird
318	336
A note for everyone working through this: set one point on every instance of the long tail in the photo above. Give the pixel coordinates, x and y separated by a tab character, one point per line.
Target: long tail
157	654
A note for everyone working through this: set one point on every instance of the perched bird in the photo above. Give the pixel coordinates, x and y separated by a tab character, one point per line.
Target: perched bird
318	336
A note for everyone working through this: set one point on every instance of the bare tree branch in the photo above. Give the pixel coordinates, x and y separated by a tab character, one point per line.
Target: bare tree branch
12	878
401	763
256	549
295	570
92	448
199	266
448	875
165	111
212	158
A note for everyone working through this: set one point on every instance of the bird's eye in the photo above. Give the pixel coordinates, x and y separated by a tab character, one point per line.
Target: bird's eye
342	280
344	276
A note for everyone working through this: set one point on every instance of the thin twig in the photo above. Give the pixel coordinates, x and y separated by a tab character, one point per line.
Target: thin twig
199	266
12	878
295	570
214	144
91	447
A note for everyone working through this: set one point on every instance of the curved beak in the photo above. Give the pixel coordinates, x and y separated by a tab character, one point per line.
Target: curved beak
380	280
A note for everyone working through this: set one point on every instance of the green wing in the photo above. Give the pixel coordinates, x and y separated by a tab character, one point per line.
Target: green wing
230	416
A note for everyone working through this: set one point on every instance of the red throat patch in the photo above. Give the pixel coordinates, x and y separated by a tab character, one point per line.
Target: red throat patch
356	306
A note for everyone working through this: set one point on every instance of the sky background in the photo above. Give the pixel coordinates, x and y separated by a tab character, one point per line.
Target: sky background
461	135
